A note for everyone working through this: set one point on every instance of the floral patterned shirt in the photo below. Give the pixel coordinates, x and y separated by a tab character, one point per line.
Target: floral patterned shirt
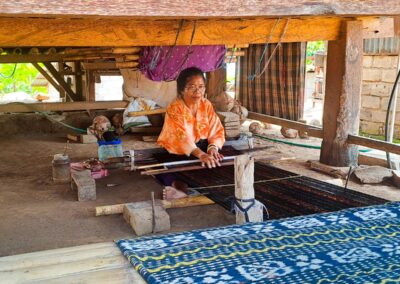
182	130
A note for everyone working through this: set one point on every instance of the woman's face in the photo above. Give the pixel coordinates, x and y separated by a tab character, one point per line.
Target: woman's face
194	90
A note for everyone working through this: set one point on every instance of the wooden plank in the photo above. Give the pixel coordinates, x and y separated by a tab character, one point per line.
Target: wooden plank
374	144
60	80
57	256
125	275
311	130
173	8
127	32
45	272
341	115
70	106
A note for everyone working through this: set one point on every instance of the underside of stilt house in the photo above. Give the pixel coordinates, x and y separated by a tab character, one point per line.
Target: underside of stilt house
89	39
101	37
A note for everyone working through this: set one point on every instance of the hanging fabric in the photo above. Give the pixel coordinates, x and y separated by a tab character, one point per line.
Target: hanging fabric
279	90
164	63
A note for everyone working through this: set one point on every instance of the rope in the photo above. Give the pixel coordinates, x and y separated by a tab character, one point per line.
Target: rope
186	57
258	181
275	49
252	76
12	73
298	144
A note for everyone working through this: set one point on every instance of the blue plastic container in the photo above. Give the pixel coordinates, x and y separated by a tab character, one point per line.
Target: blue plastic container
110	149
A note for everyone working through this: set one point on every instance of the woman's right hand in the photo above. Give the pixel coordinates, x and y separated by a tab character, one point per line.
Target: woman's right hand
209	160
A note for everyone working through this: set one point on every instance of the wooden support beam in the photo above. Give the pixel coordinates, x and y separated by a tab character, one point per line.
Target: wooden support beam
244	190
91	83
47	76
70	106
342	97
60	80
216	82
127	32
78	80
178	9
374	144
109	65
311	130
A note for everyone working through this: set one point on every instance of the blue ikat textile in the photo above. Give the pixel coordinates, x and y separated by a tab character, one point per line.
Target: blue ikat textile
358	245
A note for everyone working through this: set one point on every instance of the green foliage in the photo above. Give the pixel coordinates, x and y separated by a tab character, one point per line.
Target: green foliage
24	75
378	137
312	48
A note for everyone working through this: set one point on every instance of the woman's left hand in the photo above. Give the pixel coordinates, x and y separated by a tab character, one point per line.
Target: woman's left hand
214	153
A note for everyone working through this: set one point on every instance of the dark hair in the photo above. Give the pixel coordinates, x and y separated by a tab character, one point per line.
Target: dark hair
184	77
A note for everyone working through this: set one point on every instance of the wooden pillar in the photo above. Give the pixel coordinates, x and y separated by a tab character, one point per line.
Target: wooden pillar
244	190
78	80
216	81
91	86
342	96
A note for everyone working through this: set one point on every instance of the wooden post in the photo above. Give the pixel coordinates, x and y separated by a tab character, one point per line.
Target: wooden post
78	80
342	97
91	86
244	190
216	81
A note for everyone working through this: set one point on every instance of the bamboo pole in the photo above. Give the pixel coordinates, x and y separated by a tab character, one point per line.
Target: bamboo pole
146	112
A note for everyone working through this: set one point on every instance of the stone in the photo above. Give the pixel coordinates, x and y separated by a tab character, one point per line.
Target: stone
303	134
288	132
370	102
373	174
140	216
389	75
367	61
85	185
396	178
371	127
382	62
255	128
371	74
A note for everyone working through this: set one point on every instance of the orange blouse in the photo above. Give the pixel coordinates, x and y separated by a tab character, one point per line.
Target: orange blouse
181	130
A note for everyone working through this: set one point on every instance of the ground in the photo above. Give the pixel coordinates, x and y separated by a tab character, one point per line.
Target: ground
37	214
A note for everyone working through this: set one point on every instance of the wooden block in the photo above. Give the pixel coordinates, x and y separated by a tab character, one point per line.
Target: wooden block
232	124
228	116
140	216
150	138
84	184
87	138
73	137
232	133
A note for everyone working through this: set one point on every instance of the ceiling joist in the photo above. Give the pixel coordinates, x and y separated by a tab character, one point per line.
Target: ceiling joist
31	32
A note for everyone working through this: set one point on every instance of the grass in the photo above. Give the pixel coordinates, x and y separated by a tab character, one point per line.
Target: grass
378	137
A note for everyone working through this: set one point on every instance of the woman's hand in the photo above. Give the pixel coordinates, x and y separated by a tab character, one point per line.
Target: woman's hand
213	151
209	160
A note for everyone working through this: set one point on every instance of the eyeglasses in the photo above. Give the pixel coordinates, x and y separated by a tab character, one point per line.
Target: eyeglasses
193	88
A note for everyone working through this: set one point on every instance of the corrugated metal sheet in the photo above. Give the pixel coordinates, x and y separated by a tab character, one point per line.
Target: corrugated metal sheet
388	45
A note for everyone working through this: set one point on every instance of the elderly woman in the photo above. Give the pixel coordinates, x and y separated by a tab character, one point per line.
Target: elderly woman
191	119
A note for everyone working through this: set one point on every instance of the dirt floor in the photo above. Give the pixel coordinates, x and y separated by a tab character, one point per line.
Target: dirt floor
37	214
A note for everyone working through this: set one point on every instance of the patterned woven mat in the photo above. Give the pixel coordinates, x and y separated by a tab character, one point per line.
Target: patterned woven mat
358	245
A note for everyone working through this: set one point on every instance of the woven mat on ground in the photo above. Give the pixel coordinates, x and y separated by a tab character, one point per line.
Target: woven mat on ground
358	245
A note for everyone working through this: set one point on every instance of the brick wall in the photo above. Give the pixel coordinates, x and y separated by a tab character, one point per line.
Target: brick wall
379	74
